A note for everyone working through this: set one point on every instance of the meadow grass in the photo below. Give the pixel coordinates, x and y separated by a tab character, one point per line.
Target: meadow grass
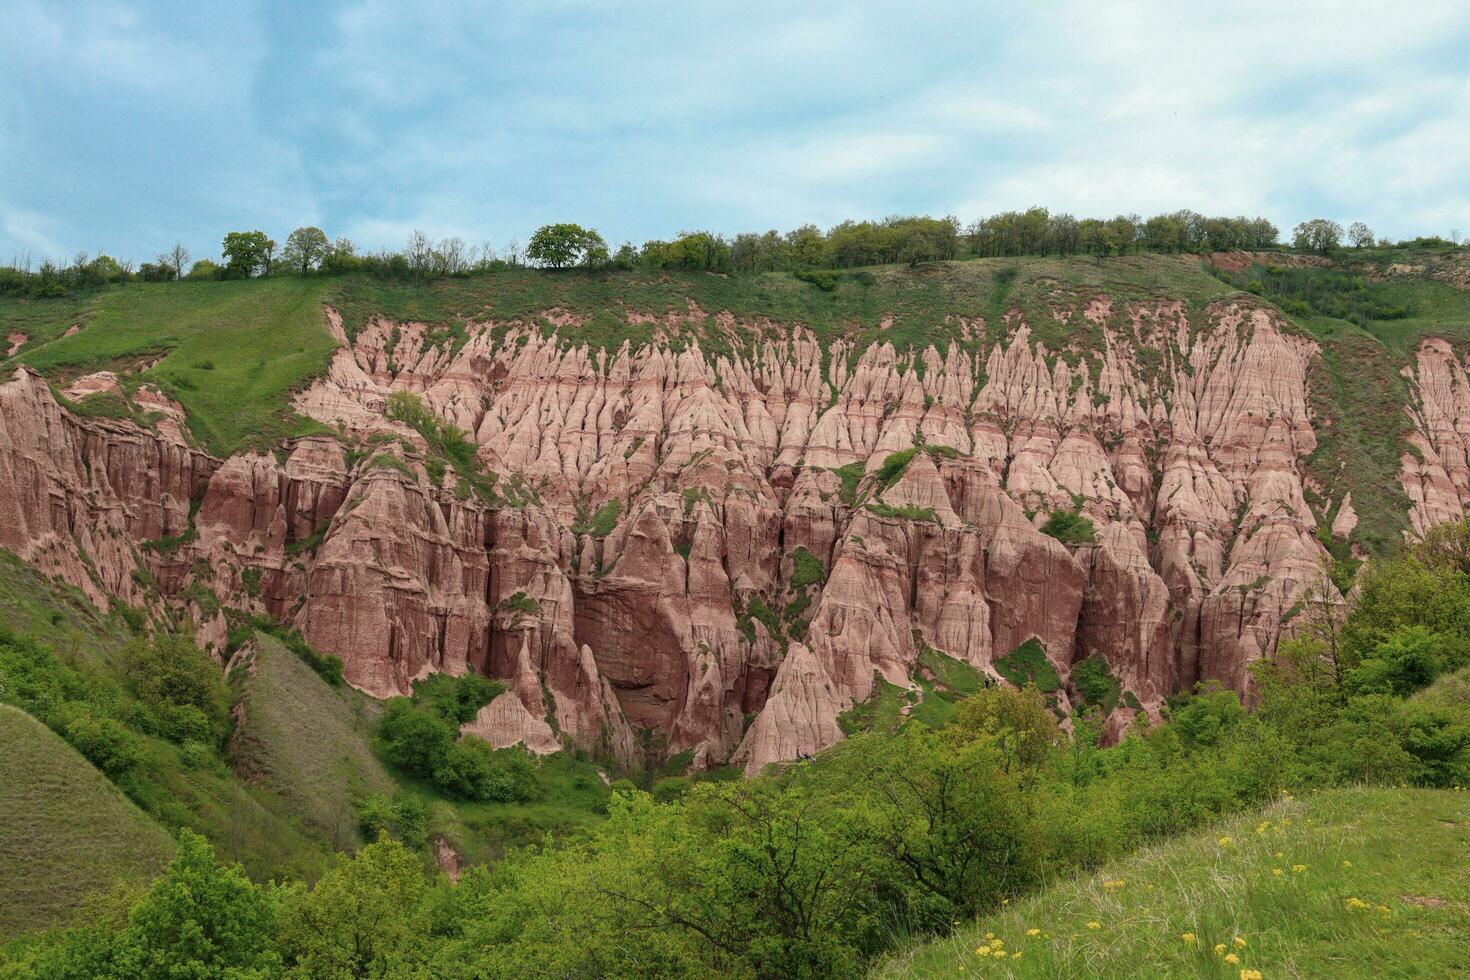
229	352
1363	882
66	832
306	741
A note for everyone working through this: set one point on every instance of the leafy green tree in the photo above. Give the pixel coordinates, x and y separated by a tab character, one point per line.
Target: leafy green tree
414	739
305	249
564	245
1360	235
947	812
1318	235
181	685
200	920
205	269
368	917
1016	721
247	253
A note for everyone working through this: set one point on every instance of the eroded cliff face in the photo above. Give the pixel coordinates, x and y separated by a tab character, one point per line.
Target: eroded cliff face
693	622
1435	470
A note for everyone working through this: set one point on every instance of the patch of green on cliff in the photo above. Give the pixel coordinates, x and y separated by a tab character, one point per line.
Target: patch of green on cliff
881	712
1363	883
1096	683
66	832
950	673
305	741
229	352
1027	664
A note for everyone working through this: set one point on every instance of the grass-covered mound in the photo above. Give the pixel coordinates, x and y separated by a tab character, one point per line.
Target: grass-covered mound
66	832
306	741
1365	882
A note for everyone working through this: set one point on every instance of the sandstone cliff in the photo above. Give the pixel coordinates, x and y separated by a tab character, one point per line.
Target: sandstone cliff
641	569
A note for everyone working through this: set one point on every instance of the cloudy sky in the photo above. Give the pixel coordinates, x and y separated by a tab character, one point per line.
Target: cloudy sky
126	126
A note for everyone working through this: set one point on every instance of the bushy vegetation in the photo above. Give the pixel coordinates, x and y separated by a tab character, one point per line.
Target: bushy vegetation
420	737
899	832
1070	527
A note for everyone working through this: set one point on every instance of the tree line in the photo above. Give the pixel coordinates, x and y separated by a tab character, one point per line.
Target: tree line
910	240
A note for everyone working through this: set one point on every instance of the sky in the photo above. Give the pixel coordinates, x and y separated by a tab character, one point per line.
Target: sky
127	126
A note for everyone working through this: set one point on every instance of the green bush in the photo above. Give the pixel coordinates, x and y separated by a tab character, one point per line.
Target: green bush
107	744
181	685
1070	527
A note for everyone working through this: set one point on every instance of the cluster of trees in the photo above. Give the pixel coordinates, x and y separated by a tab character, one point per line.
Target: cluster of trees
172	691
819	869
420	736
901	239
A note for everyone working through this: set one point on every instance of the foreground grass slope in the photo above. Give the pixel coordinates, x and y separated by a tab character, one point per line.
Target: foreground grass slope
66	832
1345	883
177	789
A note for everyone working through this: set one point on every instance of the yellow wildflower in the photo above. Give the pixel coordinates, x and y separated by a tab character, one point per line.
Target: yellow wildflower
1383	909
1298	868
1276	872
1016	955
1005	901
997	943
1356	903
1240	941
1250	975
1188	938
1219	948
1232	959
1277	855
1224	841
982	950
1347	864
990	935
1033	931
1262	826
1094	925
999	954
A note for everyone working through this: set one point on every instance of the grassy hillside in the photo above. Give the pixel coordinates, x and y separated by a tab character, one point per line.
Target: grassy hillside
1345	883
67	831
305	741
230	351
176	787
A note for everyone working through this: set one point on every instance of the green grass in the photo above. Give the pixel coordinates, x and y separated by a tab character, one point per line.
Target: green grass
231	351
306	741
950	673
66	832
1402	852
882	712
1027	664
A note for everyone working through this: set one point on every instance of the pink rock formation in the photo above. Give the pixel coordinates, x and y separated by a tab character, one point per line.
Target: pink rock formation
1182	438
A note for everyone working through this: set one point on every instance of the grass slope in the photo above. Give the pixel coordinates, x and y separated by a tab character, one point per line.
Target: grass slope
231	351
65	830
1345	883
247	824
305	740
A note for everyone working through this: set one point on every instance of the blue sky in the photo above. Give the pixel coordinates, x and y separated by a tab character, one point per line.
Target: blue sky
127	126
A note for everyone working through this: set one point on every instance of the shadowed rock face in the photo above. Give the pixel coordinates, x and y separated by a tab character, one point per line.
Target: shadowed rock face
686	625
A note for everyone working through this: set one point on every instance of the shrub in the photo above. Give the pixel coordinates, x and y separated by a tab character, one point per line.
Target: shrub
106	744
179	683
1070	527
414	739
456	699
